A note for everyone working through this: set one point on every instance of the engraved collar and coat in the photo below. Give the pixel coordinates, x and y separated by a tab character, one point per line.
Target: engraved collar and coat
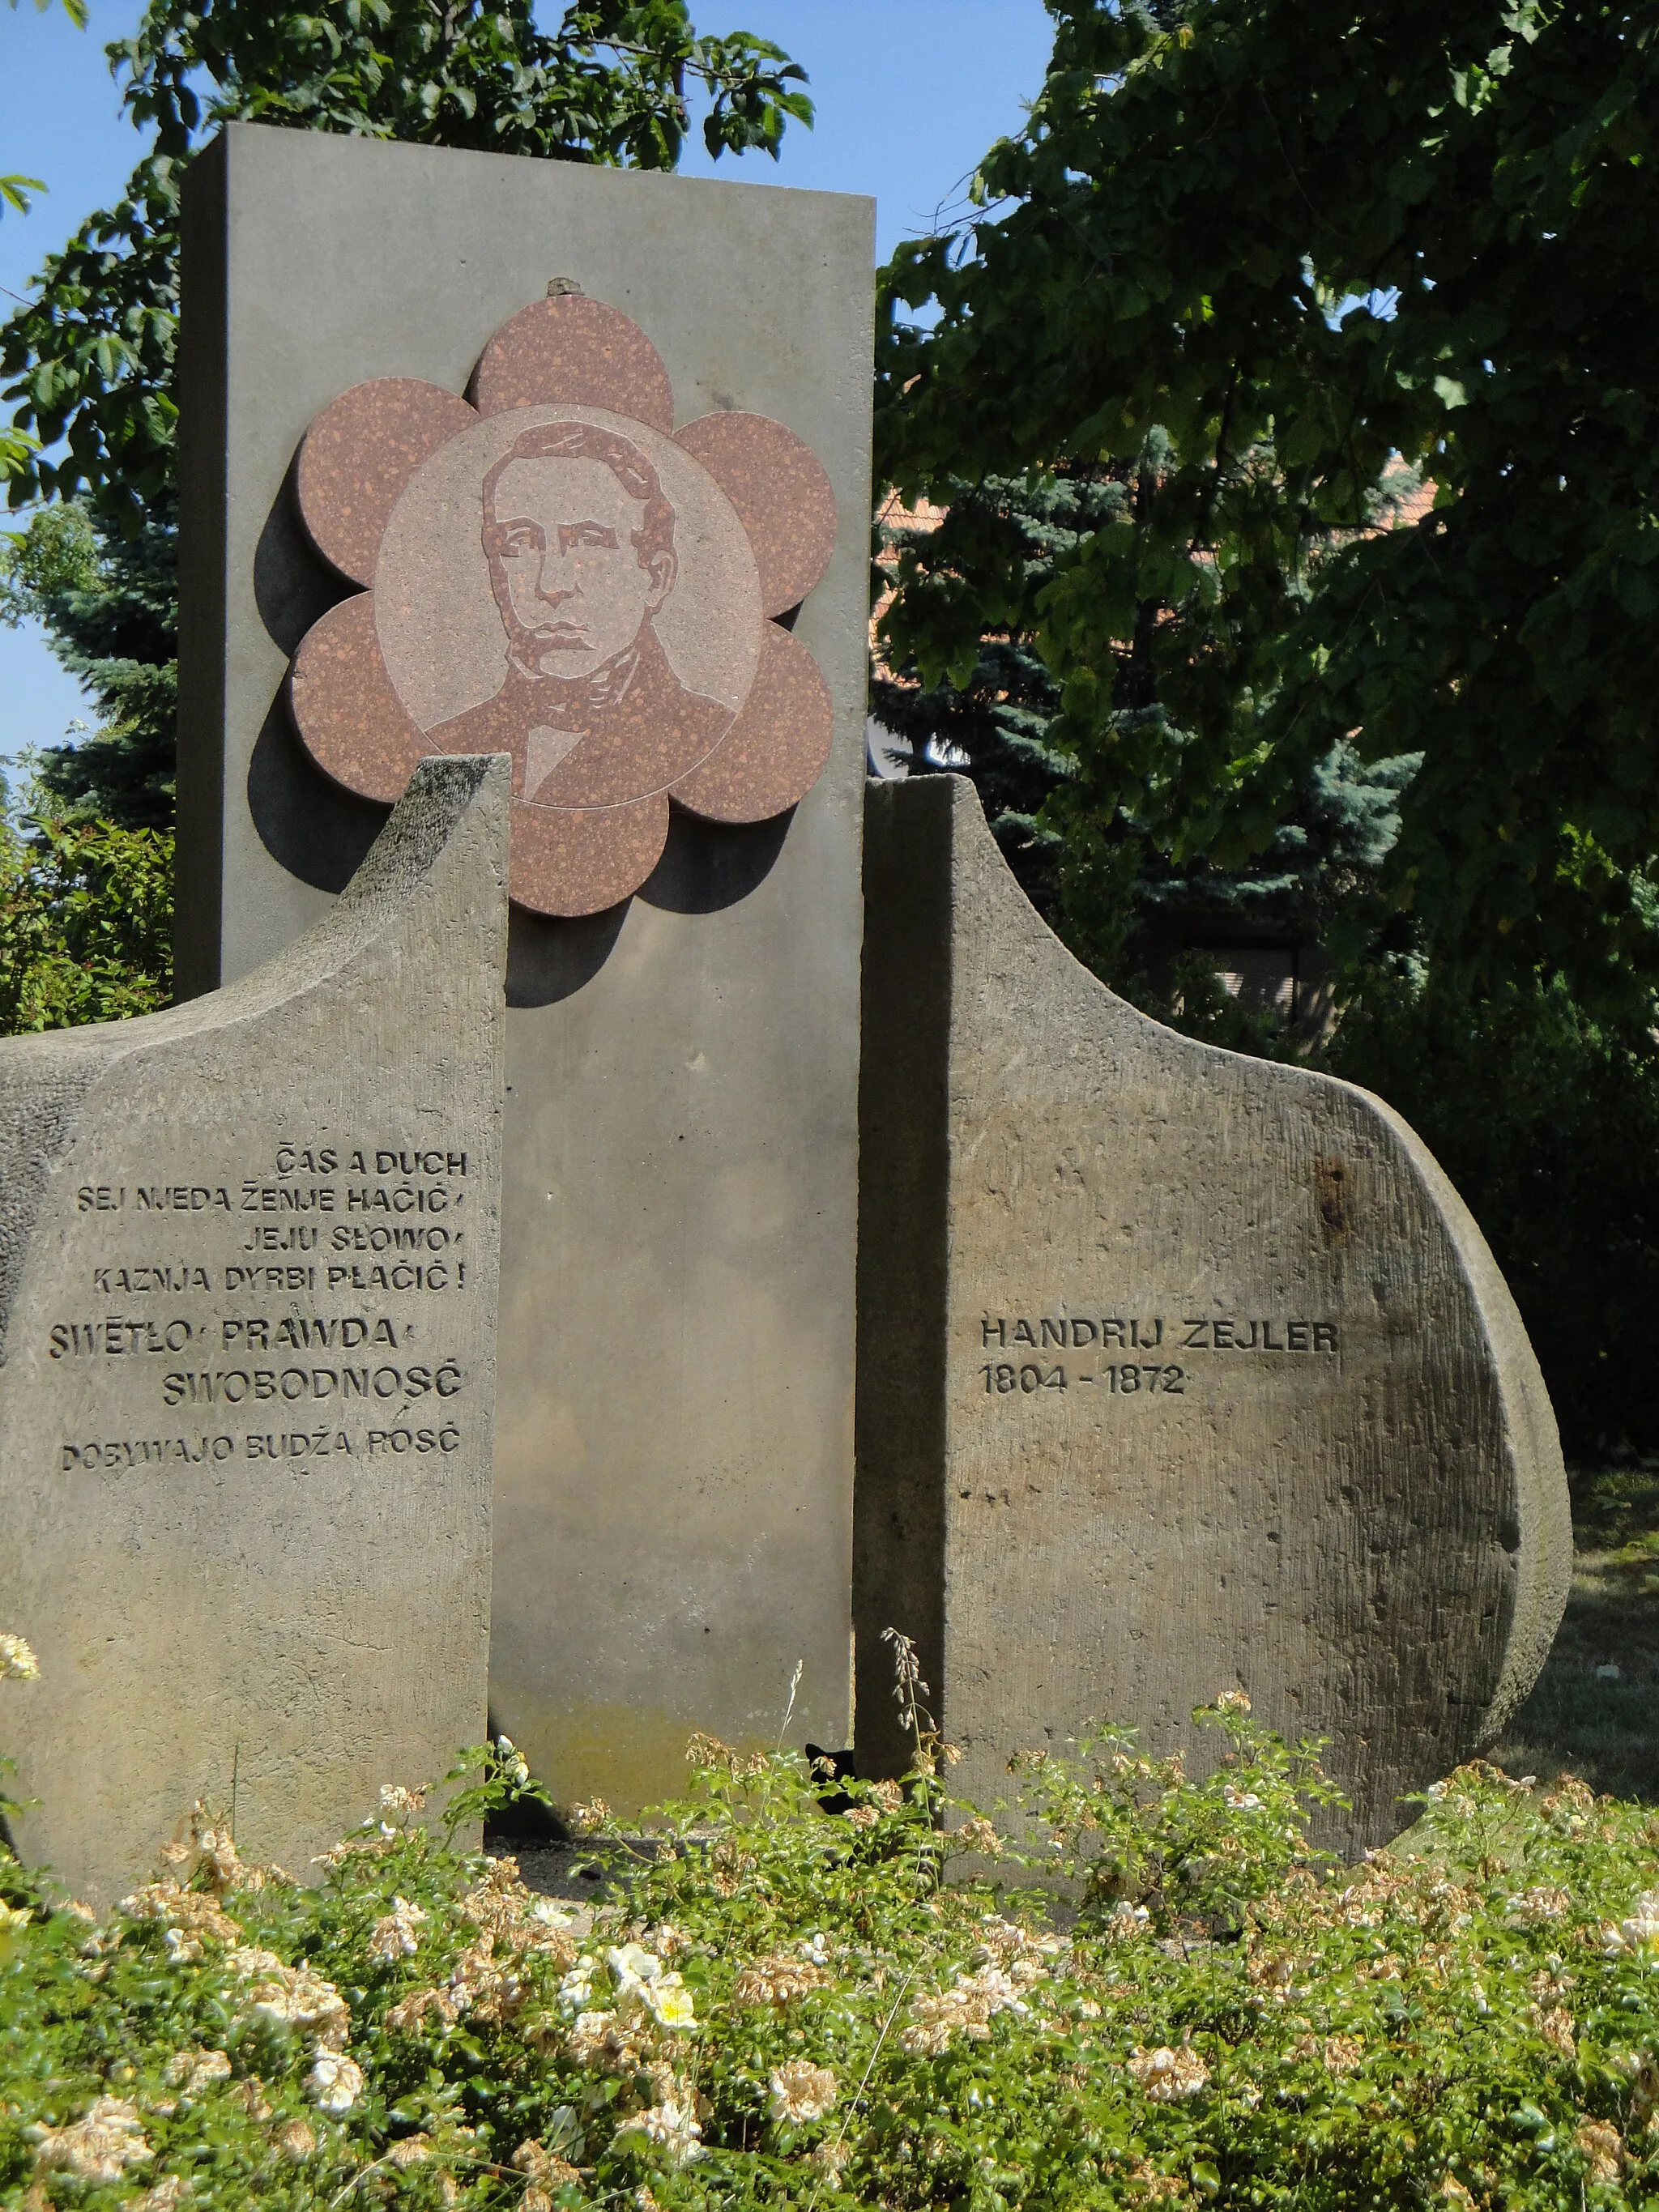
580	743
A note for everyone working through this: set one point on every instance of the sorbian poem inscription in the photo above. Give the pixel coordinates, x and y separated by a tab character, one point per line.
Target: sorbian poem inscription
309	1309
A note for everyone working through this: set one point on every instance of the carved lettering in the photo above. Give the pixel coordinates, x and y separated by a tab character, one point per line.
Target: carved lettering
234	1385
398	1236
293	1332
124	1455
401	1198
179	1198
144	1451
113	1338
270	1278
1116	1334
402	1276
290	1198
394	1231
173	1280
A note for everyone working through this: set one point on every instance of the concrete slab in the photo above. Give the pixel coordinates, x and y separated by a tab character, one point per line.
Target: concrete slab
1180	1372
247	1311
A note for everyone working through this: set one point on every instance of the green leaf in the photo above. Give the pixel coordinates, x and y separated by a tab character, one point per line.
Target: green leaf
14	189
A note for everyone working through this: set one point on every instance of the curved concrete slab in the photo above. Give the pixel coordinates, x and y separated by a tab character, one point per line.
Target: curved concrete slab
247	1298
1178	1371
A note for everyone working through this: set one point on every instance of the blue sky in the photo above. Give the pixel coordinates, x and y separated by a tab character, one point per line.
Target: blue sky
909	93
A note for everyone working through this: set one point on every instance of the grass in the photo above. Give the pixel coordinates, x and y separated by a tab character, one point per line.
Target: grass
1596	1708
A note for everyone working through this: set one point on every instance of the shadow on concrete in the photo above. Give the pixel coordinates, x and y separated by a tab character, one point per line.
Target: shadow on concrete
549	960
316	831
578	1872
706	866
293	585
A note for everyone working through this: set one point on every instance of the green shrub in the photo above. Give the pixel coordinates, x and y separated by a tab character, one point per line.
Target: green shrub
789	2007
86	924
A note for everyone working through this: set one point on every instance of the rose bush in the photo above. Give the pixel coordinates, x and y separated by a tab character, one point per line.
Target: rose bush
1135	1986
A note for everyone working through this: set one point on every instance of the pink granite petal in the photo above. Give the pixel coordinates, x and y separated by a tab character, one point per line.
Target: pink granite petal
351	721
779	488
572	860
358	455
572	351
774	752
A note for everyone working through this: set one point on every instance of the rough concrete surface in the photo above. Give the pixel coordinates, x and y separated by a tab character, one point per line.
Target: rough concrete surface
1179	1372
674	1467
247	1318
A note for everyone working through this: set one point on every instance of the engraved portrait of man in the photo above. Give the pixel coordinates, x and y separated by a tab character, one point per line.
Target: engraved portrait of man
579	540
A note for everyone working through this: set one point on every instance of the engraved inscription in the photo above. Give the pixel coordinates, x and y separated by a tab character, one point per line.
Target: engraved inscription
379	1224
1103	1340
235	1384
1003	1378
123	1452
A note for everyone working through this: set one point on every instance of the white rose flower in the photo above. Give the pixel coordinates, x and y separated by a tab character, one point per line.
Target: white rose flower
100	2146
396	1935
633	1969
801	2091
671	2002
670	2126
577	1988
335	2081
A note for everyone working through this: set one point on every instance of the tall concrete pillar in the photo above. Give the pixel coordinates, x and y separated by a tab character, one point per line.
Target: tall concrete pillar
674	1463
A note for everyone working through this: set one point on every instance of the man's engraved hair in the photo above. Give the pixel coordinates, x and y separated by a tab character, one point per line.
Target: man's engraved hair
581	441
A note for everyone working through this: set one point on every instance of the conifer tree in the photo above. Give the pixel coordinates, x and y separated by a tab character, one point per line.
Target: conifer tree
108	602
1099	875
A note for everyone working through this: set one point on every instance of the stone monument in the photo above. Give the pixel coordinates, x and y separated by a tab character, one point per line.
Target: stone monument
247	1322
574	465
1178	1371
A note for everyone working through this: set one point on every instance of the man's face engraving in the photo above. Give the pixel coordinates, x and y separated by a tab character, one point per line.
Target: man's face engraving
563	537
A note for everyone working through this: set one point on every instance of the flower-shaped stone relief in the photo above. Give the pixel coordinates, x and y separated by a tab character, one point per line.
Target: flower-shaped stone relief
554	571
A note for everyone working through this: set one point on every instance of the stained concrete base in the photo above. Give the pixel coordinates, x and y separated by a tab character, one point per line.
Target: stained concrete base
1179	1372
248	1310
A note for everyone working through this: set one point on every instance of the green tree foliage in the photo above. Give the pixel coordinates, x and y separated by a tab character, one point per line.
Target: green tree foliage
108	602
1098	873
86	904
996	718
86	924
90	357
1251	260
1245	257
